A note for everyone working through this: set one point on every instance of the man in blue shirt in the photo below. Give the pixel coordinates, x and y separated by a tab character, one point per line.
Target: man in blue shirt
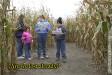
42	28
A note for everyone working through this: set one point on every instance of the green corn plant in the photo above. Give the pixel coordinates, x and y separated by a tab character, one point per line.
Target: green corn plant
7	51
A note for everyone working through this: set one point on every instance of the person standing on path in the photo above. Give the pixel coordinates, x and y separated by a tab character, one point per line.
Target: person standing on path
42	27
18	35
27	39
60	40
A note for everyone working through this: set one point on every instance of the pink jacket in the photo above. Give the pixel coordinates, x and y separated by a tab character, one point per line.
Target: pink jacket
27	37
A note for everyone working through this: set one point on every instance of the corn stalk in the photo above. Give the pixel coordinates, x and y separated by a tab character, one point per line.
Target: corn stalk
90	30
31	18
7	43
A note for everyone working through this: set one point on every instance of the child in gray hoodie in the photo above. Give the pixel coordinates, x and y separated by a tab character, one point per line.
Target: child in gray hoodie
60	40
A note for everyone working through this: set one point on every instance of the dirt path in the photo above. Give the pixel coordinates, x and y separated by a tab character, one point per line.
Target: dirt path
78	63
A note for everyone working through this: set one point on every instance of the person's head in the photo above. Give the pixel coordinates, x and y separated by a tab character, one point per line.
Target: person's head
41	18
21	17
27	29
59	20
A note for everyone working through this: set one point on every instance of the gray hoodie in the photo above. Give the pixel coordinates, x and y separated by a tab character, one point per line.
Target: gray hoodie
61	36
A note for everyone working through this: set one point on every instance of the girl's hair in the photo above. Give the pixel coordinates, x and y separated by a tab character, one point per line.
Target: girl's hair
59	20
42	16
26	27
21	17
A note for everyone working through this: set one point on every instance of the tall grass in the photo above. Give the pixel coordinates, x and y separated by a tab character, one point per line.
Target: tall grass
88	30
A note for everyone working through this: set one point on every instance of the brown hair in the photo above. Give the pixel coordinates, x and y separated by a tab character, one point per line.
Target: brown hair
26	27
21	17
42	16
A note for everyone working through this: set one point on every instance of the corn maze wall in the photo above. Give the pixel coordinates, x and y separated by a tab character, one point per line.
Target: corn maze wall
88	30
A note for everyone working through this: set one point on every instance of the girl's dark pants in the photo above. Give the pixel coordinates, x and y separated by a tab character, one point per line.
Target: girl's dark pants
27	50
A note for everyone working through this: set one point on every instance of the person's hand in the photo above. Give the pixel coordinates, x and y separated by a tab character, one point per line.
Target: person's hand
23	41
34	37
32	40
38	29
53	34
46	27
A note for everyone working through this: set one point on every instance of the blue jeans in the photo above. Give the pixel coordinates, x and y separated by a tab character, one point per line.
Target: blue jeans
42	37
19	47
27	50
60	44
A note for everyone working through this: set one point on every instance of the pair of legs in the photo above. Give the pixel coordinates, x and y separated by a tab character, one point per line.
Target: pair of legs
19	47
61	50
27	50
42	37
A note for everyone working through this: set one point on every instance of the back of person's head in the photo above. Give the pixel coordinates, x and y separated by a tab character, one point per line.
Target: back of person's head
59	20
26	27
21	17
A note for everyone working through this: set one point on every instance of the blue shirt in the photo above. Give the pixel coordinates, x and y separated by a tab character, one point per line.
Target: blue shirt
42	27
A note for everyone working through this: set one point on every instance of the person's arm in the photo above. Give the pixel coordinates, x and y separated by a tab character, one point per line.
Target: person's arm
23	37
53	34
64	30
34	37
20	25
48	26
37	27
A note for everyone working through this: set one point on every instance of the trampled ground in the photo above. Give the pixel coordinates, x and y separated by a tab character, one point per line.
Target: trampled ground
78	63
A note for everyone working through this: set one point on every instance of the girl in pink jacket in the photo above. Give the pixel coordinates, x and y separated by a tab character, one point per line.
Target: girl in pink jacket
27	39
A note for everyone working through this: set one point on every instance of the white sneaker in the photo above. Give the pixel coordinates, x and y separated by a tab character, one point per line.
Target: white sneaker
21	57
46	57
29	58
41	57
